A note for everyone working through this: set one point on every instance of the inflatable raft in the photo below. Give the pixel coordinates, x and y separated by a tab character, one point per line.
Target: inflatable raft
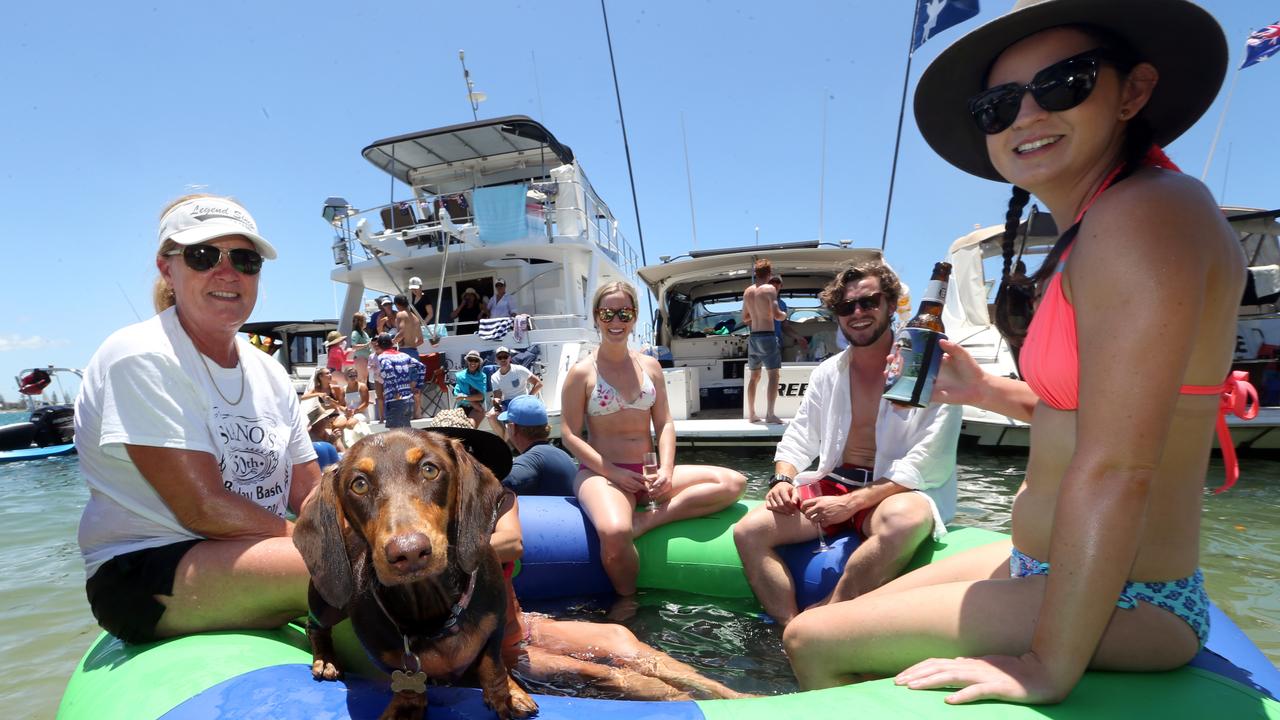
267	674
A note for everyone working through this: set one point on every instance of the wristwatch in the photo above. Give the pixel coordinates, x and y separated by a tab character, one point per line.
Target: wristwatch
780	478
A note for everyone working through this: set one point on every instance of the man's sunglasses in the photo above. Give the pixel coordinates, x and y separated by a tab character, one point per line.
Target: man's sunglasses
203	258
867	303
1061	86
503	356
626	315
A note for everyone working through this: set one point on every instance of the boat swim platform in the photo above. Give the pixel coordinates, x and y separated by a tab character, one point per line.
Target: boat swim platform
727	432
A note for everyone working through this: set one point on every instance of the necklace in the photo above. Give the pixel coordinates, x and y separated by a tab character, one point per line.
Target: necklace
209	372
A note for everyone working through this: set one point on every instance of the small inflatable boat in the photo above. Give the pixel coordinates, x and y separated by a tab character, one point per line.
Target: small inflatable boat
265	675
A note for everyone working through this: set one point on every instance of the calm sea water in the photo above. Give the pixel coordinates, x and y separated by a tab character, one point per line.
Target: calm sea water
45	625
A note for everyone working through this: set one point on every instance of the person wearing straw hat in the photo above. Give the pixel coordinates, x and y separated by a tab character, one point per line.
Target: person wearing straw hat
335	352
1072	101
193	446
467	314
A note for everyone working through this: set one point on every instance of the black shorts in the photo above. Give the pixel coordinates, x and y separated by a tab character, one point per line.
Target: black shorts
121	593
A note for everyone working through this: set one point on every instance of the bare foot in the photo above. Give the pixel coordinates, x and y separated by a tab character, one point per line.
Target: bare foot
773	420
624	608
753	419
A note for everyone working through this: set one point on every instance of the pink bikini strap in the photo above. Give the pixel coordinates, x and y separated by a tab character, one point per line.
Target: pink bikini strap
1239	398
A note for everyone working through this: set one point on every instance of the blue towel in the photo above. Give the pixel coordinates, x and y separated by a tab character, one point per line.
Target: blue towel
500	213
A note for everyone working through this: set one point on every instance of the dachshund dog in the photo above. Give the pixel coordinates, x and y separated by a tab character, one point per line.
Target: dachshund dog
397	538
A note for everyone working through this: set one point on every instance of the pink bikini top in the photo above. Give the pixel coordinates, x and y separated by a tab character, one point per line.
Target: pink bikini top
1049	360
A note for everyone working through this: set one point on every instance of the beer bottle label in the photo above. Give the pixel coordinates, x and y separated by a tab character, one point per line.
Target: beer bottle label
936	291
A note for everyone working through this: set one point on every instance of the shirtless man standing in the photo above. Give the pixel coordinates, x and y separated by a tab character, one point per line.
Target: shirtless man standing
887	473
760	309
408	328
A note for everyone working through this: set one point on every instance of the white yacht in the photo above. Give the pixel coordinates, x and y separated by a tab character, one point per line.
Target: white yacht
701	338
492	200
968	313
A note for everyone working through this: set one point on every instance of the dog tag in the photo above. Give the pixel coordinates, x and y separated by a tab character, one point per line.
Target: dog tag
402	681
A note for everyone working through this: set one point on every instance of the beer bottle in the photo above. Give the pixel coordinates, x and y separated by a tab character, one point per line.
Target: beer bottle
916	353
929	316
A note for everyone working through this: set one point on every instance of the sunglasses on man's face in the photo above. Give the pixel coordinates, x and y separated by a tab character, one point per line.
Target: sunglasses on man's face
504	356
606	315
1061	86
203	258
867	303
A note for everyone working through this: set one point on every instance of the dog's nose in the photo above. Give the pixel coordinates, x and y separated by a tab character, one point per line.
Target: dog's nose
407	553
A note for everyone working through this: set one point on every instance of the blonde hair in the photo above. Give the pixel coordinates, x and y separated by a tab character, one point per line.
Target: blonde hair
618	286
162	297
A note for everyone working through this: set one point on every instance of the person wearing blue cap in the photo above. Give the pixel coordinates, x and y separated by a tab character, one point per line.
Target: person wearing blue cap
541	468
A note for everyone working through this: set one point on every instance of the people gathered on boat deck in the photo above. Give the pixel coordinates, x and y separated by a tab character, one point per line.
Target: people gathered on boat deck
887	472
193	446
620	397
1072	102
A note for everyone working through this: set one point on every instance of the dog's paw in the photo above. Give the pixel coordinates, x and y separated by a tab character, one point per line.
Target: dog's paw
322	669
510	702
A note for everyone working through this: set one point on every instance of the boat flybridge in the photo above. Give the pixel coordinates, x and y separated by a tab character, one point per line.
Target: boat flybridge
701	338
969	311
492	200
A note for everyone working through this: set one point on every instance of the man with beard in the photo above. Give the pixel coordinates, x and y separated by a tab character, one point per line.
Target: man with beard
887	473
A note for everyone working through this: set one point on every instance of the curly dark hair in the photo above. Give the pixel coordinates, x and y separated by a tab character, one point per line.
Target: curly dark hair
855	271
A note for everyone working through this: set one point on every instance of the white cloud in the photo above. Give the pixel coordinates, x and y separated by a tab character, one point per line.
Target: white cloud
33	342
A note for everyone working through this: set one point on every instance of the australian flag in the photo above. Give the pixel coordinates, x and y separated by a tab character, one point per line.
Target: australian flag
934	16
1262	44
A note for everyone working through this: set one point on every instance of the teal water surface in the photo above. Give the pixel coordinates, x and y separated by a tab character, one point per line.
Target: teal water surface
45	624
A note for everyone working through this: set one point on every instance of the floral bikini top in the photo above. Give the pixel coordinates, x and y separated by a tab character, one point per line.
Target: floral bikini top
606	400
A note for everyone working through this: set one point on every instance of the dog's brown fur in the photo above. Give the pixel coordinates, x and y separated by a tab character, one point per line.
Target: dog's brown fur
408	515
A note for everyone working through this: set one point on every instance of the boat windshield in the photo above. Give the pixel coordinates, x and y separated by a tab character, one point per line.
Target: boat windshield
723	316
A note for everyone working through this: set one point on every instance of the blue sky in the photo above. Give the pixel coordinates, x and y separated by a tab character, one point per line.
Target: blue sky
114	109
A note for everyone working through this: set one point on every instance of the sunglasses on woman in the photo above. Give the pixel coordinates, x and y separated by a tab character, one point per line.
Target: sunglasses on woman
867	303
1061	86
607	315
203	258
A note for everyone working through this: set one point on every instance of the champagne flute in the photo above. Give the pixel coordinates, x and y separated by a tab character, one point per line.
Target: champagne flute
650	475
808	489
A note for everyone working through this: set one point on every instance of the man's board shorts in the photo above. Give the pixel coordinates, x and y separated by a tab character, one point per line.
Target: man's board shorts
841	481
763	351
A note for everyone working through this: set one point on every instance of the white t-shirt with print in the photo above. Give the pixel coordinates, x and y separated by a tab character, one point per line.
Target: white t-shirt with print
514	384
148	385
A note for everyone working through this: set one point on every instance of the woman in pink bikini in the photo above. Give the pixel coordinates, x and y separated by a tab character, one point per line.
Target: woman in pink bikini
621	398
1071	101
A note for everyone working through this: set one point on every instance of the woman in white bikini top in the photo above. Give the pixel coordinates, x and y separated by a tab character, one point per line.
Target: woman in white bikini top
619	397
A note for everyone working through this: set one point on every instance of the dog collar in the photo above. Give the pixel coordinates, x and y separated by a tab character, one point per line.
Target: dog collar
403	680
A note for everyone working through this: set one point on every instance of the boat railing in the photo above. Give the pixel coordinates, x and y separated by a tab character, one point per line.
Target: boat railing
429	222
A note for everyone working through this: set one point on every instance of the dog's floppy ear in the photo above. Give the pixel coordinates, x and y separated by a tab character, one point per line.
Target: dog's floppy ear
476	493
319	536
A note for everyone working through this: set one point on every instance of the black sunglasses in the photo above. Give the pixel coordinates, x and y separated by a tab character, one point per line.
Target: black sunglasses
203	258
867	303
626	315
1061	86
503	356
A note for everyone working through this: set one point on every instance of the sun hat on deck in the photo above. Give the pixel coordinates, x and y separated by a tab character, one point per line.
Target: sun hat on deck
206	218
1181	39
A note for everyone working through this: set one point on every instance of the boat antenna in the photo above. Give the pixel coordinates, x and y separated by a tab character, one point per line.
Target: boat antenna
537	87
688	174
822	172
625	145
127	300
474	97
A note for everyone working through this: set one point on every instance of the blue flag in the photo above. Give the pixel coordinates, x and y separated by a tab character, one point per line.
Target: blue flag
1261	45
934	16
